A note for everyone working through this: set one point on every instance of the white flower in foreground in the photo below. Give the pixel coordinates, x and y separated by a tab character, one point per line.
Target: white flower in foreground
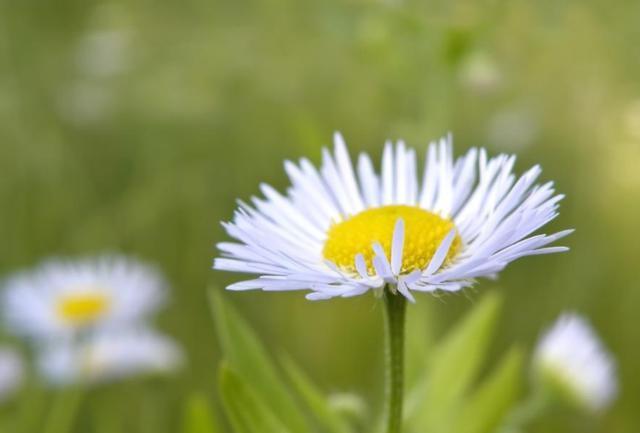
341	231
11	372
110	355
64	298
571	359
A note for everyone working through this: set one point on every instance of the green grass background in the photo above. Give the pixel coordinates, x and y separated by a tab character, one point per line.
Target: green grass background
134	125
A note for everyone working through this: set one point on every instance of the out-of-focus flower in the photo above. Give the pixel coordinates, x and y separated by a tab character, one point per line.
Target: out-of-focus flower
104	53
86	102
571	362
513	129
62	299
11	372
349	405
479	72
108	356
341	234
631	119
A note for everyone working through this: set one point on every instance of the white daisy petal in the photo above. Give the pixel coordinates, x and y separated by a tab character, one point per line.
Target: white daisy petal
403	289
369	182
361	266
397	246
318	296
444	202
383	269
388	189
465	177
412	178
441	253
430	179
357	291
336	184
345	168
307	187
413	277
313	176
549	250
400	172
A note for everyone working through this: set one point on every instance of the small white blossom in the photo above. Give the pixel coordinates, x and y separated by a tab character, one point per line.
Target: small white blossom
62	298
570	356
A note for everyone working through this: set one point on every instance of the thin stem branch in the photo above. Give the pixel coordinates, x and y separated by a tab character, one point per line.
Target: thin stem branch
525	413
395	317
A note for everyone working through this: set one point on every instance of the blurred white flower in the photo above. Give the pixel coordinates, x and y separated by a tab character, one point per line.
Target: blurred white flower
11	372
631	119
480	73
104	53
66	298
108	356
513	129
342	230
349	405
570	359
86	102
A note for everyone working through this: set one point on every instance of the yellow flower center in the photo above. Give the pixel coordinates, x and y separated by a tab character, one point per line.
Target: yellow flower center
82	308
424	231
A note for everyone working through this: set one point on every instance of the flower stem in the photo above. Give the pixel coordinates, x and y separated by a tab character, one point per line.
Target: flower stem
526	412
395	315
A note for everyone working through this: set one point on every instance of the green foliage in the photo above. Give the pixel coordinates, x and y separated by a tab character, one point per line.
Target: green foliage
316	401
244	352
256	396
247	412
199	416
435	401
444	400
488	405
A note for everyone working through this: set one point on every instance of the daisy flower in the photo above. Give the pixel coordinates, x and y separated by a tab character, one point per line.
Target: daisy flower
11	372
571	359
106	356
342	230
66	298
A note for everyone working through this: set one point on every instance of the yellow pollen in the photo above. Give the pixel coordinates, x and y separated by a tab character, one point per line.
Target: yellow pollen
83	308
424	231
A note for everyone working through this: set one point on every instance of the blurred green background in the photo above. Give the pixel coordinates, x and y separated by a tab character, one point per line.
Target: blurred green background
133	126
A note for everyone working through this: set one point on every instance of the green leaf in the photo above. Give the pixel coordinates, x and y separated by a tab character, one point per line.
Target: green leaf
247	412
490	403
317	402
455	364
248	357
199	416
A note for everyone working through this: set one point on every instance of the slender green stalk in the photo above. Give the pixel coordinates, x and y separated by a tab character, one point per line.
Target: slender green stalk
527	412
395	315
